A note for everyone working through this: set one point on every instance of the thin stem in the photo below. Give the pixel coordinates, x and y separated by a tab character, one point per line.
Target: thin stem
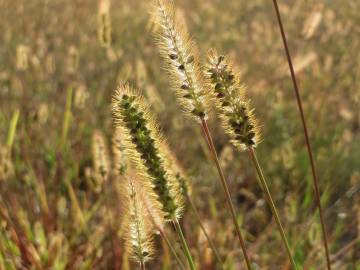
163	235
211	243
142	266
12	129
306	134
184	243
172	249
67	116
112	234
271	203
226	190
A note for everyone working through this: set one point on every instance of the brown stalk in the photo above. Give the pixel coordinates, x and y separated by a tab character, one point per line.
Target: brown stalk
226	189
306	134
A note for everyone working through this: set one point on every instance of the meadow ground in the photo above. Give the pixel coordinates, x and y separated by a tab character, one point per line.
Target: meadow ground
60	62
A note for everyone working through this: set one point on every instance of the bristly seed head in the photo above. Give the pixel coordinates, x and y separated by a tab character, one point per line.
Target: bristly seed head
235	112
143	139
181	59
101	157
139	229
121	160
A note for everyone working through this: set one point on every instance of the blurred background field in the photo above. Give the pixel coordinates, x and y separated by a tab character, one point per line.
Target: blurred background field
58	75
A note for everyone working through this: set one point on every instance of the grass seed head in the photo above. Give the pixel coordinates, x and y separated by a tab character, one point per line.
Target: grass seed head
121	160
181	60
22	57
101	157
139	229
235	111
143	140
6	165
104	23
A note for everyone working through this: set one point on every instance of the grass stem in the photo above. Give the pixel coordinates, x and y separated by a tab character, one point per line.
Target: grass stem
306	134
226	190
172	249
184	243
211	243
266	190
12	129
67	116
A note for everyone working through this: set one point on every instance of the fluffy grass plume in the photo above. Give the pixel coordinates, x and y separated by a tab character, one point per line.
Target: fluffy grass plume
181	58
138	232
120	155
234	109
181	178
101	157
143	139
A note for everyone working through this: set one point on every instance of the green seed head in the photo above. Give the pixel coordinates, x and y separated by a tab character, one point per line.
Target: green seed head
143	138
235	112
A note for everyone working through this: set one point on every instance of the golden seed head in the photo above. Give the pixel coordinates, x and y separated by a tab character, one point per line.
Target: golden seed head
138	227
101	157
181	59
121	160
234	109
22	57
143	141
182	180
104	23
6	165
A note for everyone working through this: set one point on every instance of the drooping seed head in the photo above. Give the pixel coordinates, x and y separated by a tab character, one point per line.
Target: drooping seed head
235	111
181	58
137	225
101	157
143	140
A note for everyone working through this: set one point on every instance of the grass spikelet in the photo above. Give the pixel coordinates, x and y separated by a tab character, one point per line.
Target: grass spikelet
138	235
101	157
181	59
104	23
182	179
239	122
143	139
22	57
6	165
237	116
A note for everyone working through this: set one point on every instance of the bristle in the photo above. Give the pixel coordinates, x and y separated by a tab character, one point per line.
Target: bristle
138	232
182	179
181	59
143	140
100	157
234	109
152	206
121	160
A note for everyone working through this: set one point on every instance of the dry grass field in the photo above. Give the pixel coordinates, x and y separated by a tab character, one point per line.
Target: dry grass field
94	177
